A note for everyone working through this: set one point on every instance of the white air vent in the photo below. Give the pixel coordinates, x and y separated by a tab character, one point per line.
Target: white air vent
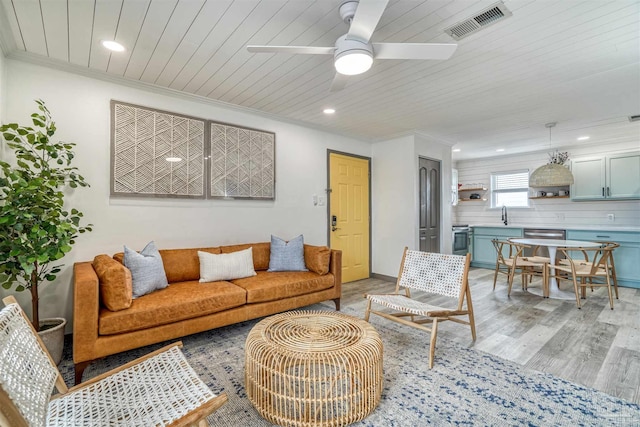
635	118
486	17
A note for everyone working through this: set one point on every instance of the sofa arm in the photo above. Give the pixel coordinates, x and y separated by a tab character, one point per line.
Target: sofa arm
335	266
86	307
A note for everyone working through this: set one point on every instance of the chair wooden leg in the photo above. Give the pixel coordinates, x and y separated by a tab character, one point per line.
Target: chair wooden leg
495	276
79	370
336	301
510	280
367	311
610	293
434	334
575	289
472	321
614	277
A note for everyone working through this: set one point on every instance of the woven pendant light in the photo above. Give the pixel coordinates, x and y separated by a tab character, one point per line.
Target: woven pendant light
552	174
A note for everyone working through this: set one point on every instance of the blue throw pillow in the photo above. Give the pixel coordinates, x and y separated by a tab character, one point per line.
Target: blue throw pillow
287	256
147	271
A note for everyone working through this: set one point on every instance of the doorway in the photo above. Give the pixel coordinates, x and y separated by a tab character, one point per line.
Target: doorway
429	196
350	212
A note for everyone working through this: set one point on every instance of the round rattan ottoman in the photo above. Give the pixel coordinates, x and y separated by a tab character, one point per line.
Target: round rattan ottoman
313	368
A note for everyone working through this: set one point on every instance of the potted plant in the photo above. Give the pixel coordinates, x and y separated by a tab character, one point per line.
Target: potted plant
36	229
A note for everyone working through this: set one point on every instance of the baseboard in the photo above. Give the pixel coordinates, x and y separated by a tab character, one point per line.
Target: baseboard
383	277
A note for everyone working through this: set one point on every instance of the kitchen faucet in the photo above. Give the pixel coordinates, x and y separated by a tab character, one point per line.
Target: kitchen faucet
504	215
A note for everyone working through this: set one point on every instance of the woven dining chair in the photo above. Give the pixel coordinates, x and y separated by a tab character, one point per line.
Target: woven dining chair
515	260
582	272
435	274
159	389
612	264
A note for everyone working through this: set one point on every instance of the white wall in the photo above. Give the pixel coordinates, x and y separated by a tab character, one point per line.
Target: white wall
395	185
3	86
393	173
80	107
3	91
542	212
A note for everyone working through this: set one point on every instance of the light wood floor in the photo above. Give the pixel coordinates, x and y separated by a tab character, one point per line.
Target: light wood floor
595	346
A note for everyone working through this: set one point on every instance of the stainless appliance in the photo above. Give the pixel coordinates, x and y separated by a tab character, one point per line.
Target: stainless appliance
532	233
461	239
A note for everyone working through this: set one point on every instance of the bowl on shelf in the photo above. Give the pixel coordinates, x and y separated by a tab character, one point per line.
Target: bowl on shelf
474	196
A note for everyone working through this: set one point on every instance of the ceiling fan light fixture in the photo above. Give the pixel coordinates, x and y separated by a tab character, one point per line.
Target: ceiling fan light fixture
353	62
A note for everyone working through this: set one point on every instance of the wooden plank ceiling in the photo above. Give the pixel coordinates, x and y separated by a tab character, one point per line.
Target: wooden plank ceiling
575	62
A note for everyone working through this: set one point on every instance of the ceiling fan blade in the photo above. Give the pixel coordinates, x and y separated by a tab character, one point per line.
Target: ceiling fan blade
308	50
366	19
414	50
339	82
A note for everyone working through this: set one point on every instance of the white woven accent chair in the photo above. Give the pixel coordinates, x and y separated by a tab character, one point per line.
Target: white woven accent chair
159	389
435	274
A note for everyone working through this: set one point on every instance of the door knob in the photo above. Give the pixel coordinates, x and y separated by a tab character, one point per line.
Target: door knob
334	228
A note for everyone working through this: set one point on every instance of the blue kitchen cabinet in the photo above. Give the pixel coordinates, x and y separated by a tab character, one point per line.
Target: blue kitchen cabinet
484	254
626	257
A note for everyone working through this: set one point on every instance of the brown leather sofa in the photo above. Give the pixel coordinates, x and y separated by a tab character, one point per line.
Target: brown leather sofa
187	306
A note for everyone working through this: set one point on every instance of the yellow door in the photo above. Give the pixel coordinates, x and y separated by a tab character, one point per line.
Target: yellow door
349	214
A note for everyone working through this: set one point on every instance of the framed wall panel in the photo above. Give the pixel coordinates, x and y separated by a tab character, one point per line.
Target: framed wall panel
242	162
157	153
144	142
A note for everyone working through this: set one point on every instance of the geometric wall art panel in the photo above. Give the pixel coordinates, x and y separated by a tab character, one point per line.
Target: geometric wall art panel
156	153
242	162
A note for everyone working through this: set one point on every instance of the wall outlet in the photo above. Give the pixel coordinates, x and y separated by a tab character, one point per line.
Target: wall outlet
611	217
560	216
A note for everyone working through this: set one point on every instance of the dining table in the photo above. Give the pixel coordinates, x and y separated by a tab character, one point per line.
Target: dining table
553	291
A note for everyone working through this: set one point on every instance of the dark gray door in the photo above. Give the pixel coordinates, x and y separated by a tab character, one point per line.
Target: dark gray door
429	173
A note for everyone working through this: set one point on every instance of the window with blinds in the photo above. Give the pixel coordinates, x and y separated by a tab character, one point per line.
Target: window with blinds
510	189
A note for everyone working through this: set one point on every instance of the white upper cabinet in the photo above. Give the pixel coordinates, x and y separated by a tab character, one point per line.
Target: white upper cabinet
610	177
623	175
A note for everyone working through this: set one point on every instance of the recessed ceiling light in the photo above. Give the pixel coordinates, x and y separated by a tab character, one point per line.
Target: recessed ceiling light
173	159
500	149
113	45
583	138
329	110
456	150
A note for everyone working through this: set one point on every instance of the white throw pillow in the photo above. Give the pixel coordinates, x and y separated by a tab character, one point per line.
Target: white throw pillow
234	265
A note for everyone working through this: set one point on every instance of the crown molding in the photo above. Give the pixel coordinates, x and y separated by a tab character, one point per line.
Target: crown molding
149	87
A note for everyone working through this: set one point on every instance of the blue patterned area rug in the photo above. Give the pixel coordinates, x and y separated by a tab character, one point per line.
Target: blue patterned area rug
465	386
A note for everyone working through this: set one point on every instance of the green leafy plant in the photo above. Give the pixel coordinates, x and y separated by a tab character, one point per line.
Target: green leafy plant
35	228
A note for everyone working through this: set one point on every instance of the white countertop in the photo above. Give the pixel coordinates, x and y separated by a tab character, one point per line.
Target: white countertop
564	227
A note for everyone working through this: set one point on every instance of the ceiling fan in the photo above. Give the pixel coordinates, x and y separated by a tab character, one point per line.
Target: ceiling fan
353	53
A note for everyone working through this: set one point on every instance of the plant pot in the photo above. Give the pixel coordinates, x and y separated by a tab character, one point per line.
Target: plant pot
52	334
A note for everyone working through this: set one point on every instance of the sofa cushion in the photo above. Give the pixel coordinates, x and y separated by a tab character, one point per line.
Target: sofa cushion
180	265
271	286
147	270
317	258
180	301
260	251
287	255
235	265
115	283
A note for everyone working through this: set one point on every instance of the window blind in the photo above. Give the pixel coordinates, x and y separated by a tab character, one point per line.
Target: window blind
510	189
